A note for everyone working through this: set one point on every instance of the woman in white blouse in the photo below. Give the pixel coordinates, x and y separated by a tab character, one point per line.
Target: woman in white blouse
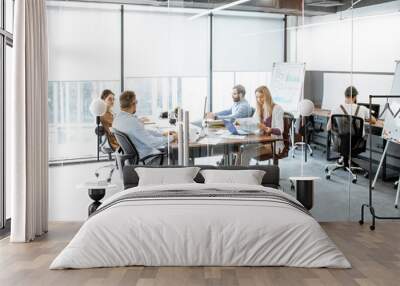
270	118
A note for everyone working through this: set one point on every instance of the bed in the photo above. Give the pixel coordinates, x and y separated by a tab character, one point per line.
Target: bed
199	224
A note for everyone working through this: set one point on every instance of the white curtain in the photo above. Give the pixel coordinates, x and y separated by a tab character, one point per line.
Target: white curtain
28	134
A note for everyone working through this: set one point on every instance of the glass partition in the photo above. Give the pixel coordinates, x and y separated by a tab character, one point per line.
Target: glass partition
84	59
376	72
173	56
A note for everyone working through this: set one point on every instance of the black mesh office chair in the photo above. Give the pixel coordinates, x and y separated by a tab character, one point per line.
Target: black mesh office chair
348	140
130	155
104	146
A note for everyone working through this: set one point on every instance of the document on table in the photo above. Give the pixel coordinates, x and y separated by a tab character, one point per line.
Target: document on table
231	136
210	140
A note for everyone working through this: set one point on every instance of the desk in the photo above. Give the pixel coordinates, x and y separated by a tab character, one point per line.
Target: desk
327	113
228	145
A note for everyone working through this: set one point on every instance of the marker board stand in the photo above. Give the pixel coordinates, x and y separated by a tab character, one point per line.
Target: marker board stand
369	205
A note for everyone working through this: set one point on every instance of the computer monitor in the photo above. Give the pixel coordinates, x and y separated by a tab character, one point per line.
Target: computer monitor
374	108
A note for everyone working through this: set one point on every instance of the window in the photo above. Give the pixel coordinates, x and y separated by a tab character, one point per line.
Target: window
84	59
244	50
166	59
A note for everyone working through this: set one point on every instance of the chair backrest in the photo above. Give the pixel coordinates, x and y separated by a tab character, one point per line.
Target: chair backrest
346	130
128	148
344	125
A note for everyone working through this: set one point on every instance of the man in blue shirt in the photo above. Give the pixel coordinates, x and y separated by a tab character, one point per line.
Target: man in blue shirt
240	108
147	142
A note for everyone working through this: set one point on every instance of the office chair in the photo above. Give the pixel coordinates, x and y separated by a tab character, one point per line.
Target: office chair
288	120
103	146
130	154
347	130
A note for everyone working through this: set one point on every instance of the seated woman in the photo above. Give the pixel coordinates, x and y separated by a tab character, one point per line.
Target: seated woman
107	118
270	117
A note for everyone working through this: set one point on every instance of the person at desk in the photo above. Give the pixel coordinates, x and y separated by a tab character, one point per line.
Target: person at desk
107	118
240	108
350	107
270	118
147	142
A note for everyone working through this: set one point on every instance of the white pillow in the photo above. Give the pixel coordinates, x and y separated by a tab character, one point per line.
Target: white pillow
166	176
248	177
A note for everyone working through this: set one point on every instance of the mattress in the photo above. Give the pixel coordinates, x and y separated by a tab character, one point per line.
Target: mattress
201	225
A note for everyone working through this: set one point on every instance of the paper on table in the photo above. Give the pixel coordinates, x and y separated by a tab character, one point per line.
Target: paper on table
231	136
210	140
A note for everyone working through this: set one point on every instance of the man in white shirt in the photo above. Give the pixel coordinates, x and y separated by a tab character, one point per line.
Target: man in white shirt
147	142
350	107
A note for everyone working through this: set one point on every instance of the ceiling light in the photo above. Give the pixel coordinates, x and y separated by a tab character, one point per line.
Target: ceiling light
223	7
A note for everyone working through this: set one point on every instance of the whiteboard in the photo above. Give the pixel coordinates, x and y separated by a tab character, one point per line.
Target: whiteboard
287	82
366	84
396	80
391	127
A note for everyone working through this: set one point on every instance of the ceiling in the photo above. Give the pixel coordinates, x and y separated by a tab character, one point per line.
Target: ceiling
287	7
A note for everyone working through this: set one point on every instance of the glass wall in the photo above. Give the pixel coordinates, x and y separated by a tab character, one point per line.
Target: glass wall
166	59
85	55
245	47
172	59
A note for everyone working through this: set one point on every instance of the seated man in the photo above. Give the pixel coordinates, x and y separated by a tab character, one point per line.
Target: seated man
350	107
147	142
240	108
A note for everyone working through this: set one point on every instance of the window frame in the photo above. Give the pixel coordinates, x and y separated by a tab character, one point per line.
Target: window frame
6	39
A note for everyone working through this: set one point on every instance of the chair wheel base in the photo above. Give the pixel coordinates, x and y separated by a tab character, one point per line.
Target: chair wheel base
361	222
328	177
354	181
372	227
396	206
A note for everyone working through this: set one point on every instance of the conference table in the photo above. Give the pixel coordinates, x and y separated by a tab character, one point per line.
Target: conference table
217	141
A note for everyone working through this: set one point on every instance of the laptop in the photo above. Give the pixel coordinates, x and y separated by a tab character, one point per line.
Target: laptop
233	130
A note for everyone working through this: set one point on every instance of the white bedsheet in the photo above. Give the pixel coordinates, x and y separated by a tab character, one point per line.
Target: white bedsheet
223	232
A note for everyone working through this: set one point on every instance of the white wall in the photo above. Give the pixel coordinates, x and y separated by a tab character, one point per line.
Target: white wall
366	41
66	201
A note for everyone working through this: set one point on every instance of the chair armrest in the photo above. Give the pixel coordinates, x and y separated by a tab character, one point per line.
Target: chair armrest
122	158
152	157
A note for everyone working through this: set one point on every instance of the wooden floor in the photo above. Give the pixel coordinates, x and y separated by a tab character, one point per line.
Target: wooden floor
375	257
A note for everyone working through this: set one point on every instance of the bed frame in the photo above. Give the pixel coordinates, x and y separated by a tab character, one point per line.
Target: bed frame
270	179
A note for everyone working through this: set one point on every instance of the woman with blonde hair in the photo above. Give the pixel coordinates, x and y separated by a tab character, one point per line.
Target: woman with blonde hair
270	122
